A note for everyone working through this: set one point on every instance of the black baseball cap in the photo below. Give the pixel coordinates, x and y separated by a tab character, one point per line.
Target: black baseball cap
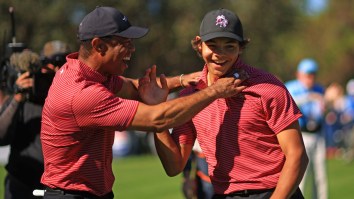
221	23
108	21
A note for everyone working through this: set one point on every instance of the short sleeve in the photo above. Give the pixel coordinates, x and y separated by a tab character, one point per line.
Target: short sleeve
185	134
96	106
280	108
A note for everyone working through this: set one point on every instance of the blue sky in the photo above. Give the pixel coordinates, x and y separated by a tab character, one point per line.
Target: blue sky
316	6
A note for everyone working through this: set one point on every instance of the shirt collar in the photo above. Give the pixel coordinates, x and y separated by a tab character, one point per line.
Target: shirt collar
203	81
86	71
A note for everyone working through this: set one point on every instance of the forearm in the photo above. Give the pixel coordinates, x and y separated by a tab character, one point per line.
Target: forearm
175	83
181	110
172	113
291	175
129	89
6	116
166	115
169	153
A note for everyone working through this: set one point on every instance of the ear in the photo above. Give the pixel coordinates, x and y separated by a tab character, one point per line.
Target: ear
198	39
98	45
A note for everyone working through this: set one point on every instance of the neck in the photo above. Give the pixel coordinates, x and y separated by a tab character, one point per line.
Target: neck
211	79
93	61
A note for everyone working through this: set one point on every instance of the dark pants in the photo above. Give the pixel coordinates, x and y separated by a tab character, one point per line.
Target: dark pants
256	195
15	189
64	194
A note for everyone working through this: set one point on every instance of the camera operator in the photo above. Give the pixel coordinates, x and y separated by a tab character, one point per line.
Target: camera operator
53	55
20	122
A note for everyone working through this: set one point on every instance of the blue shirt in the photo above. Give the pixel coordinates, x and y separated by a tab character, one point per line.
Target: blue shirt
310	102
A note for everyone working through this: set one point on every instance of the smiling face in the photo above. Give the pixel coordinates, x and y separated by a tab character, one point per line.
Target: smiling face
219	54
117	51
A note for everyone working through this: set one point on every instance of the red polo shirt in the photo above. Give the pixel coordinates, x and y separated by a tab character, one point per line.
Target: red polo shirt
238	134
79	118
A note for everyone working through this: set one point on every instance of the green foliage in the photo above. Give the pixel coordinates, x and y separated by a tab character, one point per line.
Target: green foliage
281	33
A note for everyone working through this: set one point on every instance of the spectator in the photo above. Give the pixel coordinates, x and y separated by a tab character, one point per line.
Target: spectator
333	130
196	181
348	120
53	54
309	96
20	121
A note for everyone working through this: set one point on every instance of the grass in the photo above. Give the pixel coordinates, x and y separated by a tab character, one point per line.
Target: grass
144	177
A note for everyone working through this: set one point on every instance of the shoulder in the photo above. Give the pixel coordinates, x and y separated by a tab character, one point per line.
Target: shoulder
263	81
258	75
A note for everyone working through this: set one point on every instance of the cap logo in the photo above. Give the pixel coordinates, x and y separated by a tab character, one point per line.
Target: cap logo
125	18
221	21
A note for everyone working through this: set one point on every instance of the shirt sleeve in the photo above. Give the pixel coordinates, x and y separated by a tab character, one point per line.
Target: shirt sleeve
96	106
280	108
184	134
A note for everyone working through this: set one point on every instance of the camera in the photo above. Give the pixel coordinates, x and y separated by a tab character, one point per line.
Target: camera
19	63
57	59
8	74
16	60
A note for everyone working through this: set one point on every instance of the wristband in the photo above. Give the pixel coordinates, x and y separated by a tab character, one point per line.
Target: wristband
180	80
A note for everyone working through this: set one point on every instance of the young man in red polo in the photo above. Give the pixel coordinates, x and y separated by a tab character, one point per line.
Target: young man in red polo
251	141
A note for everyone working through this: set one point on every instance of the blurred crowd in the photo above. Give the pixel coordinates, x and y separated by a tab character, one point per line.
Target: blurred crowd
339	120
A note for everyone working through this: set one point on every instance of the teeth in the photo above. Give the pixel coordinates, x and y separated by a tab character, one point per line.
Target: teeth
126	58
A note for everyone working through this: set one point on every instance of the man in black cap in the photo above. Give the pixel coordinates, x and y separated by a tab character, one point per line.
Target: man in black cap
251	141
89	100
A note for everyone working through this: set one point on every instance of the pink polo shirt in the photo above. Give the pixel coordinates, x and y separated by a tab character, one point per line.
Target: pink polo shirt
238	134
79	118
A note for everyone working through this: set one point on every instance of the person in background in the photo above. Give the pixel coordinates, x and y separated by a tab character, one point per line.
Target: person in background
196	181
252	141
20	122
309	96
53	55
350	100
90	99
348	120
333	130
